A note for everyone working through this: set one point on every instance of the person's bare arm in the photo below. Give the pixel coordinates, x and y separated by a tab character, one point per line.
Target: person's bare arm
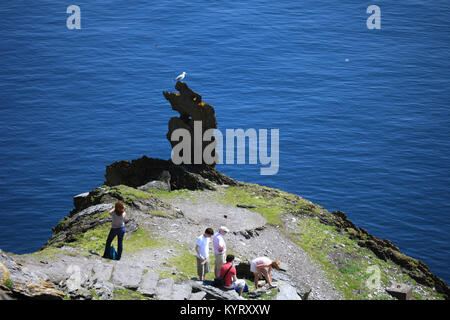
197	248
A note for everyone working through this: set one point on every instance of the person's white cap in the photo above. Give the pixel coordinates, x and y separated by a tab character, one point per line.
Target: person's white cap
223	228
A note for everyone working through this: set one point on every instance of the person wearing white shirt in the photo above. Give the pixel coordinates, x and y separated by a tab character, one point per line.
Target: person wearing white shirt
202	249
220	249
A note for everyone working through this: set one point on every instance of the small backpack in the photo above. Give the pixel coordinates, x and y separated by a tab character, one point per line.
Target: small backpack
113	253
220	281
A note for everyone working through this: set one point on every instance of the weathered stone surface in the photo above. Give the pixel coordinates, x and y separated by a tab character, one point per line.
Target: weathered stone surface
155	185
102	272
181	291
215	293
401	291
148	284
284	267
127	275
198	295
80	294
19	282
164	289
104	290
286	292
253	294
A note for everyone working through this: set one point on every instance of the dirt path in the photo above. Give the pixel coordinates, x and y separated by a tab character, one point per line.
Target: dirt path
205	212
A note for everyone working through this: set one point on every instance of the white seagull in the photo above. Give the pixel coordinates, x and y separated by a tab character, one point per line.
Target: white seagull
181	76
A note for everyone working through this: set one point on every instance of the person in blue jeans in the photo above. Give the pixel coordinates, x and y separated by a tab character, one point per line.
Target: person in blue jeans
119	219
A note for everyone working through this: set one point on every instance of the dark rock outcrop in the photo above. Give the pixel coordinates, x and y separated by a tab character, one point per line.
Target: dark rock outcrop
140	171
191	108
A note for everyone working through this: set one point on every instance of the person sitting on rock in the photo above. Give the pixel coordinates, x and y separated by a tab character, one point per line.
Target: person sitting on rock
228	272
263	266
202	249
119	219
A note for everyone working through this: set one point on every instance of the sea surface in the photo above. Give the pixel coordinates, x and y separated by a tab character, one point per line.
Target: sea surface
363	115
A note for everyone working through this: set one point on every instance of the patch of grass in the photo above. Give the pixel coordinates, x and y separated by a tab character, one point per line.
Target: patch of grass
163	214
49	253
94	294
265	296
164	195
128	194
8	283
269	202
346	264
349	268
340	257
126	294
186	264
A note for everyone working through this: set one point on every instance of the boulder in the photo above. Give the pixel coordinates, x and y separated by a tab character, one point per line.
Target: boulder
81	200
286	292
198	295
164	289
243	271
102	272
140	171
17	281
127	275
104	290
155	185
215	293
400	291
181	291
148	284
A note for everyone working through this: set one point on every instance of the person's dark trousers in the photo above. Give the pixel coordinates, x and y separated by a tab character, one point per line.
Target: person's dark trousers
119	232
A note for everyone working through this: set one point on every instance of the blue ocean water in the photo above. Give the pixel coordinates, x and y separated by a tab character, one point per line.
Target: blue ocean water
363	114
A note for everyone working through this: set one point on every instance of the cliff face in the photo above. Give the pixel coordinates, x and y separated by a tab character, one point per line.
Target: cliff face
324	255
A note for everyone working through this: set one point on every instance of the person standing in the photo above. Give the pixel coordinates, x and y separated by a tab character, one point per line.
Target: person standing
220	249
202	249
228	272
119	219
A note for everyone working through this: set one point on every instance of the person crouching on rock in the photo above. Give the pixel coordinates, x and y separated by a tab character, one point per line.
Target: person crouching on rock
263	266
119	219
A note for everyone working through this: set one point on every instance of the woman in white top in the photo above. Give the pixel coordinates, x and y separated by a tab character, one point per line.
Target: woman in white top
118	216
263	266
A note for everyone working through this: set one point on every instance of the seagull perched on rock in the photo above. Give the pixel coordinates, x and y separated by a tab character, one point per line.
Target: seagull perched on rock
181	76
